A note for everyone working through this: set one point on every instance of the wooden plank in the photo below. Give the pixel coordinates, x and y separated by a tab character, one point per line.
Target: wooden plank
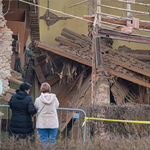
126	77
66	42
78	105
39	73
93	77
42	62
53	81
57	50
128	66
15	81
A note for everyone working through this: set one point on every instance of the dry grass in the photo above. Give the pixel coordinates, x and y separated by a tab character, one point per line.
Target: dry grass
96	143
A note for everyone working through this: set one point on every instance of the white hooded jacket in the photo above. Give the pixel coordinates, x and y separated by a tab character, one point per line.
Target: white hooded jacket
46	106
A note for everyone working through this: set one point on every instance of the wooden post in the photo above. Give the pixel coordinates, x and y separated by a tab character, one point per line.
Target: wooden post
97	21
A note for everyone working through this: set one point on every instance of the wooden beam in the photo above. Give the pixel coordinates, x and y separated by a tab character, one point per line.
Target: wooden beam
105	33
128	66
143	25
74	37
67	42
15	81
39	73
139	56
126	77
77	35
53	81
57	50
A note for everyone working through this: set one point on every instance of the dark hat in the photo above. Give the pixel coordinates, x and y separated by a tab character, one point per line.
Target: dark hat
24	86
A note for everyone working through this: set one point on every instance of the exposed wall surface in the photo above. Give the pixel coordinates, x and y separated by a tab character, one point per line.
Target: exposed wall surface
114	3
5	52
81	27
102	92
76	25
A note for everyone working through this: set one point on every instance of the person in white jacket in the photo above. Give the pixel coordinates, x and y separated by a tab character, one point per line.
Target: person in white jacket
47	118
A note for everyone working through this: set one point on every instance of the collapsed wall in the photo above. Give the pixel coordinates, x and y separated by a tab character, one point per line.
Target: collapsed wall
5	53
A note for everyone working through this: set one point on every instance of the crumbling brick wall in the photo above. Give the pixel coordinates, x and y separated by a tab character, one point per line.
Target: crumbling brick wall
5	53
102	90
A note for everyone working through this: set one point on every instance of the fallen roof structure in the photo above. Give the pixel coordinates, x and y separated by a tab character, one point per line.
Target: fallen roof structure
116	63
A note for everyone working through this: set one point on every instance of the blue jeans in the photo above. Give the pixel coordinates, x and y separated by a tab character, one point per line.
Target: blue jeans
46	134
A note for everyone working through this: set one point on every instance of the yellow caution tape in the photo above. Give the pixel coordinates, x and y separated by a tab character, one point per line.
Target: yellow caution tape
115	120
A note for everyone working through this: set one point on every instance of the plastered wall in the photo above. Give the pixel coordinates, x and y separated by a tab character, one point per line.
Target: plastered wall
79	26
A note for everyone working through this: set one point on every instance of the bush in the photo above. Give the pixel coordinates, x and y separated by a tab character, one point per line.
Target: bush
122	112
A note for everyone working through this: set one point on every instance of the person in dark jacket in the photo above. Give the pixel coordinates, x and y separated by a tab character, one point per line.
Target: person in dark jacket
22	109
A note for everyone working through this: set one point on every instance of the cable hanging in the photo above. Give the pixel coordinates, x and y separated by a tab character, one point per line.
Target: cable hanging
60	12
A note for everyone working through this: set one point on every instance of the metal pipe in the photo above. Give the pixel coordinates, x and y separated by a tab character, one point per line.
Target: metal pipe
61	109
60	122
7	123
122	9
73	109
136	3
66	130
128	14
98	12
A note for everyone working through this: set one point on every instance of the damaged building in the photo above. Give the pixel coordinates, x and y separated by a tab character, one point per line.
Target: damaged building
94	59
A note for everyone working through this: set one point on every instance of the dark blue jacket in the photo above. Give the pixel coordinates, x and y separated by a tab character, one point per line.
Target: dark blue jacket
22	108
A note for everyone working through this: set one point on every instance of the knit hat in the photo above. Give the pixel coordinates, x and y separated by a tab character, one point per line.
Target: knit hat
24	86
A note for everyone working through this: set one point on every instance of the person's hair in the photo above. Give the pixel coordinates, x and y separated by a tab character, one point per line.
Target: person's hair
24	86
45	88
